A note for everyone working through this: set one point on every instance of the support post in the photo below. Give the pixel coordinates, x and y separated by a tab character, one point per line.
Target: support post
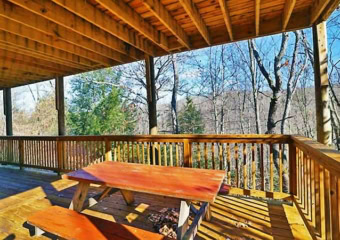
151	94
7	95
60	104
323	114
152	102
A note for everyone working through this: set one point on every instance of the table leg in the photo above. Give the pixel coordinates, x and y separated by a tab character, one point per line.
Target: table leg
128	196
79	196
183	219
208	213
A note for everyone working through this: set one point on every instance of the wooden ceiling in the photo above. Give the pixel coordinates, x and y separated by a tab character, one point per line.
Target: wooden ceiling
43	39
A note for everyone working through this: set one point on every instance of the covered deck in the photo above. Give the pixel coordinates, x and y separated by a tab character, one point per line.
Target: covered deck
46	39
258	204
233	217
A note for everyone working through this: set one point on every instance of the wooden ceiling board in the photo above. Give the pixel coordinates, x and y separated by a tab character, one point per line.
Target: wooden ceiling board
31	31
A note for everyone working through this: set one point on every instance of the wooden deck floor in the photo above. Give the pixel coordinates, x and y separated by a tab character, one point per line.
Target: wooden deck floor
24	192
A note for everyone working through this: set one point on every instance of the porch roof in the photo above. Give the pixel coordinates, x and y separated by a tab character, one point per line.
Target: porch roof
44	39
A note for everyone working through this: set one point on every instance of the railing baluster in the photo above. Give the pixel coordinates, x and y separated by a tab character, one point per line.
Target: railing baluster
280	168
220	156
253	166
213	155
206	155
159	154
171	154
271	170
245	166
199	155
236	166
165	155
177	155
229	164
262	168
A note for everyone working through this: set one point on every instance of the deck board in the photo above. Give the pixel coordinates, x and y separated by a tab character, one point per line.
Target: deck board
23	192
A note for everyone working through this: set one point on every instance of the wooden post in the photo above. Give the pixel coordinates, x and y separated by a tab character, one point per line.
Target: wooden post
152	103
7	95
151	94
323	115
60	104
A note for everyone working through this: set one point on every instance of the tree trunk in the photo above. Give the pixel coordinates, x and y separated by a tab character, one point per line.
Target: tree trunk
174	114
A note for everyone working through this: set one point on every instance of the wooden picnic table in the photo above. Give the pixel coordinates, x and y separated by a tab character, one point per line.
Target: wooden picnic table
187	184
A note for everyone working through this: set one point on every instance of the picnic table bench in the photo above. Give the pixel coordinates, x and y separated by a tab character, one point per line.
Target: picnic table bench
186	184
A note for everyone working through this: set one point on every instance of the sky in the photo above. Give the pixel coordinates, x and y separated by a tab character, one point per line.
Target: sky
22	95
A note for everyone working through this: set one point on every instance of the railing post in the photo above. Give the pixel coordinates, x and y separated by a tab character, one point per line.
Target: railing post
60	155
292	169
21	153
187	153
108	152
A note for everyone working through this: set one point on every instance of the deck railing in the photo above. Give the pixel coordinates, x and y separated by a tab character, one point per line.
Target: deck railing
273	166
316	192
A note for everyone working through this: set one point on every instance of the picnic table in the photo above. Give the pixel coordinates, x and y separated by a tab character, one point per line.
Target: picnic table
186	184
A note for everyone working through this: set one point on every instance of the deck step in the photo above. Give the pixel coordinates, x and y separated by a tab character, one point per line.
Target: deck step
69	224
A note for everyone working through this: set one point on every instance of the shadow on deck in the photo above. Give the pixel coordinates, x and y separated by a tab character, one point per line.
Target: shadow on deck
23	192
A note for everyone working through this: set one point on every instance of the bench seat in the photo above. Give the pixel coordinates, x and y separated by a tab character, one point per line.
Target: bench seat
69	224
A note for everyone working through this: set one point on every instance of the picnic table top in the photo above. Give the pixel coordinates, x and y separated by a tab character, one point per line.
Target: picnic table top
178	182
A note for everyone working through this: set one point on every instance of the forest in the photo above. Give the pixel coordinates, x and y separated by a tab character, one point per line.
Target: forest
263	85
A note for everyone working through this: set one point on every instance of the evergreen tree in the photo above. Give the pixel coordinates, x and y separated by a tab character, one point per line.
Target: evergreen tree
190	119
97	105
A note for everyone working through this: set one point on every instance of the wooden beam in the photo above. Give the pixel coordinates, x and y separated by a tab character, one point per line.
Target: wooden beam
40	23
257	17
151	94
191	9
60	105
226	16
43	66
164	16
7	95
38	55
329	9
27	32
67	19
123	11
287	12
103	21
323	115
317	9
45	51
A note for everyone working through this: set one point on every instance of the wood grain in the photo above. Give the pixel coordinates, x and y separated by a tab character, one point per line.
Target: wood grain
184	183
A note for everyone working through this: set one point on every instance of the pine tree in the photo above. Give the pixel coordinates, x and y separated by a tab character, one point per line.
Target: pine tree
97	105
190	119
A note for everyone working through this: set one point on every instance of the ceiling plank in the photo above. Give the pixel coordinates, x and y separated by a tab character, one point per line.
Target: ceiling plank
36	65
123	11
317	9
192	11
39	23
287	12
44	50
30	33
25	52
257	16
129	39
226	16
164	16
67	19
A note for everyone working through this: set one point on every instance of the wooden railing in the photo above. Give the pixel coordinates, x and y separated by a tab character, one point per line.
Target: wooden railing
247	159
316	192
312	169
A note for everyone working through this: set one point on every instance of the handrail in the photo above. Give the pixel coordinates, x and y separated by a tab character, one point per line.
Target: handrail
317	193
179	137
324	155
